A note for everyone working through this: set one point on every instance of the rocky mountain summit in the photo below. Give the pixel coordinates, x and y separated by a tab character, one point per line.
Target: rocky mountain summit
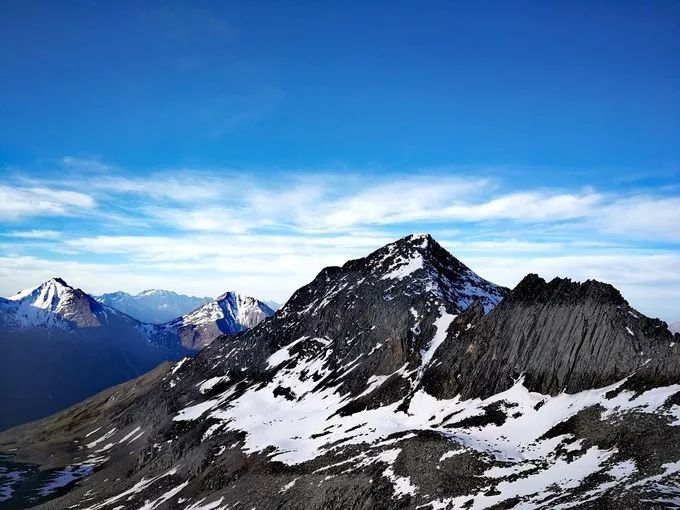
229	314
55	303
399	380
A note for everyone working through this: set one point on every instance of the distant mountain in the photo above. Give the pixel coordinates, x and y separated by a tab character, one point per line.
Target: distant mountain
59	345
230	313
399	380
273	305
153	306
674	327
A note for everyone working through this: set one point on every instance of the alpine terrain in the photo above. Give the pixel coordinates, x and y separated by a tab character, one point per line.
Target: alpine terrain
399	380
154	306
59	345
230	313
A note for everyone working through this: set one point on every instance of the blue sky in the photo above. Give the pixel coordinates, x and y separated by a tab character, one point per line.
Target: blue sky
208	146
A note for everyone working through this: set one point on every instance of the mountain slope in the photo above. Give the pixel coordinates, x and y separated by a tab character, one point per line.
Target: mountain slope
229	314
368	390
562	336
54	303
153	306
59	345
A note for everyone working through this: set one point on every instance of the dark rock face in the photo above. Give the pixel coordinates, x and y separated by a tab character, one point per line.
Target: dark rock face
562	336
386	383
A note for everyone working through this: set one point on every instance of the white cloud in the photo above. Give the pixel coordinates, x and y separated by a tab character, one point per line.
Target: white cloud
645	217
332	204
232	201
399	201
525	206
18	202
203	232
34	234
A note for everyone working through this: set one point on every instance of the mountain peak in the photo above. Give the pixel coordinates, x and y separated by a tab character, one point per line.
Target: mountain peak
533	289
227	314
156	292
55	287
226	295
54	303
412	244
58	281
420	261
421	241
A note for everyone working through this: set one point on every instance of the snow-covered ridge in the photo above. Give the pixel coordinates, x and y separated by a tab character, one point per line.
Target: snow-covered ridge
243	311
46	295
230	313
54	304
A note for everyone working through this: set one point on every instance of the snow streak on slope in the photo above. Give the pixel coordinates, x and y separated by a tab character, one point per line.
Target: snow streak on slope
310	426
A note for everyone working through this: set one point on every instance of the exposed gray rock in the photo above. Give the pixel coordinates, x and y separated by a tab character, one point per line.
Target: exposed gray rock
306	410
561	336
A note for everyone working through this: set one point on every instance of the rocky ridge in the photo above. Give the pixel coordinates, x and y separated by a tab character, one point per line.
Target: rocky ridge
400	380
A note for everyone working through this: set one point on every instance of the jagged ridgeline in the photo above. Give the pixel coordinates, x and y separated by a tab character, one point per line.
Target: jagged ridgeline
399	380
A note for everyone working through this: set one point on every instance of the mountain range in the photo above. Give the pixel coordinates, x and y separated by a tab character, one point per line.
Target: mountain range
154	306
399	380
59	345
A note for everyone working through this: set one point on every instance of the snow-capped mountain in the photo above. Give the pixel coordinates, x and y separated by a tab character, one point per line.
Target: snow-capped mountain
58	345
399	380
229	314
55	304
53	334
153	306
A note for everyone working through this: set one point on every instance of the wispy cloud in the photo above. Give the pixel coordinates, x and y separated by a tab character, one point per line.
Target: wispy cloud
230	201
33	234
19	202
643	216
205	231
